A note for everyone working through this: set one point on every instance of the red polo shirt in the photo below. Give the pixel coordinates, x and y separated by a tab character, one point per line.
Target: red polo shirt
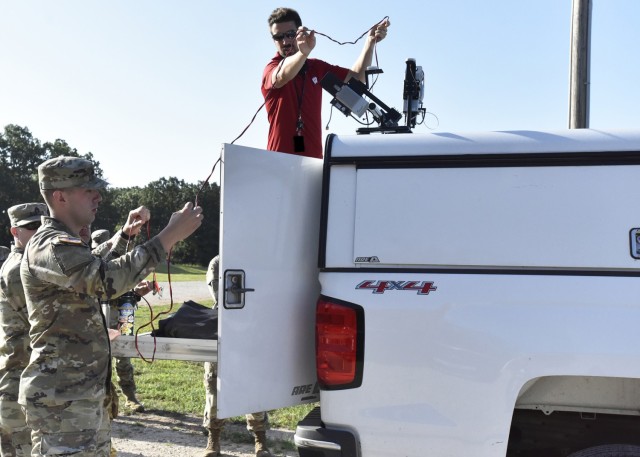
283	105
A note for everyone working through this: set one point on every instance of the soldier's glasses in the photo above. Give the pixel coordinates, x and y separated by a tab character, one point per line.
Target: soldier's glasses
32	226
281	36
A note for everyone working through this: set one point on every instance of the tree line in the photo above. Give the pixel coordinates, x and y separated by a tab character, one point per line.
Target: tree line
21	153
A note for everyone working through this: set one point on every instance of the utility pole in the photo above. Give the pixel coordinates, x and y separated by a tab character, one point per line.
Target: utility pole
580	61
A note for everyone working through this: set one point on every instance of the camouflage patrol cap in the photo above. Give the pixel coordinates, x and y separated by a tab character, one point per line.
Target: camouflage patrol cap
67	172
98	237
26	213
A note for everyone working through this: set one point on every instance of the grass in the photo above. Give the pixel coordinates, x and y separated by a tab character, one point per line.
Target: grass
180	273
176	386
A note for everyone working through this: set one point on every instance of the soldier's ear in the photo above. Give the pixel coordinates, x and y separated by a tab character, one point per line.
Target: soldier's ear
14	231
59	196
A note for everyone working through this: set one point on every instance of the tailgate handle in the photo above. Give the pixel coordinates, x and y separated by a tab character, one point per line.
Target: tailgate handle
237	290
234	290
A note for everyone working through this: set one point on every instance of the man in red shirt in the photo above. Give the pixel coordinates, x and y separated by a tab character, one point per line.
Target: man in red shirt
291	83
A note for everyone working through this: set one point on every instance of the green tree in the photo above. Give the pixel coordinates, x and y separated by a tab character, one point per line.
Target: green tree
115	207
205	239
163	197
20	155
167	195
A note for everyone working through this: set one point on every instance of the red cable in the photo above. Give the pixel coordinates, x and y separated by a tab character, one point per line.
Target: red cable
152	318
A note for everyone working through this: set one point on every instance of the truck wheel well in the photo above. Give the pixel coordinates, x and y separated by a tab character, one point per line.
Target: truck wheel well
534	433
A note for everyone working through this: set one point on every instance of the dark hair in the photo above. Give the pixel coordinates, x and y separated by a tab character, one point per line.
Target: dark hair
284	15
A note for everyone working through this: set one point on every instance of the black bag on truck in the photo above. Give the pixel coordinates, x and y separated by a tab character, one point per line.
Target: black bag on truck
192	320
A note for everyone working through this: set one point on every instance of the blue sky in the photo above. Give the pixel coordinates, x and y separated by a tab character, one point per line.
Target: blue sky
153	88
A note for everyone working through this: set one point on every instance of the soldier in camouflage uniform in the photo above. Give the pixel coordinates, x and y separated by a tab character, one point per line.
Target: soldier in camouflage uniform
104	246
107	248
63	387
4	253
258	423
98	237
124	367
15	436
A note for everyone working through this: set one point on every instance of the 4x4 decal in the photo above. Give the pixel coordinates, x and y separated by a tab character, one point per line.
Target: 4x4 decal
380	287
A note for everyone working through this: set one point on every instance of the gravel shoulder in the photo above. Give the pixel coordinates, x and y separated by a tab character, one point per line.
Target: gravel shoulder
160	434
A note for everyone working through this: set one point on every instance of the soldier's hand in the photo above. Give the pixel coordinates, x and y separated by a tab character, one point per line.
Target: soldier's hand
182	224
143	288
137	218
113	334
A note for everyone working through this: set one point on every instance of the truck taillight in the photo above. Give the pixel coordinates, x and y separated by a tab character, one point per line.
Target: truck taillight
339	343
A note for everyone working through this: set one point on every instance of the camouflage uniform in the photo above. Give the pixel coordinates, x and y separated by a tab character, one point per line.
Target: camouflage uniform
64	386
4	253
106	248
124	367
256	422
15	436
99	237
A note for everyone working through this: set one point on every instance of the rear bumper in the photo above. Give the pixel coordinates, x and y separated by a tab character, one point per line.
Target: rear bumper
314	440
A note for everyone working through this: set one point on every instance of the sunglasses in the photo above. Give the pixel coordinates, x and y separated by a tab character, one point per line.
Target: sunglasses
288	35
31	226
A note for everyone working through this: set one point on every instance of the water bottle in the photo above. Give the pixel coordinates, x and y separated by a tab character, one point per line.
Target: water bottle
127	304
106	311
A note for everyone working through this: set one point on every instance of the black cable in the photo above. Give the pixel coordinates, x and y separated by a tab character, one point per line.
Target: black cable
342	43
330	116
362	123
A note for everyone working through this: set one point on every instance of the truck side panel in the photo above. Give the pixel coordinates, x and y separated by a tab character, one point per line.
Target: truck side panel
443	371
483	263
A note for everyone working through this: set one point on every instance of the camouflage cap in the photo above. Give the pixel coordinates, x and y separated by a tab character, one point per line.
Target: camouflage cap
67	172
26	213
98	237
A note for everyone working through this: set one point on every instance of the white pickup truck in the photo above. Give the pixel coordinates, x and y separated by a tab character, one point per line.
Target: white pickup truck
471	295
